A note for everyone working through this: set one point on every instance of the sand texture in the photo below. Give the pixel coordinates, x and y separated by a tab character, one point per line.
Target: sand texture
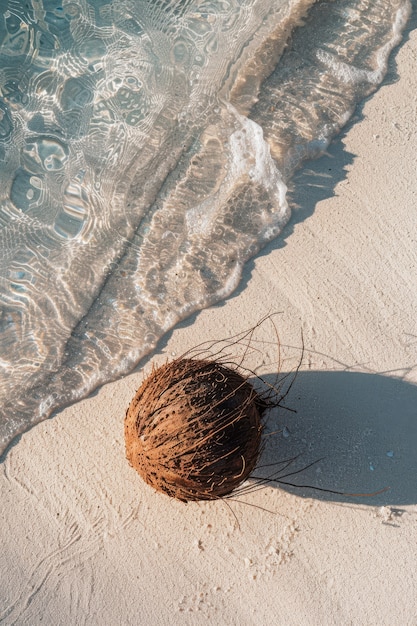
86	541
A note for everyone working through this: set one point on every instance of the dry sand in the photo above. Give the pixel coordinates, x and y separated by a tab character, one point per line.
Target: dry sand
85	541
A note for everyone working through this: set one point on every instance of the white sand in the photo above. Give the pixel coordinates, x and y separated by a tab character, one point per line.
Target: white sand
85	541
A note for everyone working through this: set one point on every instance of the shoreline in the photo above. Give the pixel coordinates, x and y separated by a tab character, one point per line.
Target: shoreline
85	541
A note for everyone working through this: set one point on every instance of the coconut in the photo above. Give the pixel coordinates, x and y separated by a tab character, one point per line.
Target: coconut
193	429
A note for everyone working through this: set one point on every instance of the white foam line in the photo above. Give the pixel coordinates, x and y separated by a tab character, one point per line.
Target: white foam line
351	74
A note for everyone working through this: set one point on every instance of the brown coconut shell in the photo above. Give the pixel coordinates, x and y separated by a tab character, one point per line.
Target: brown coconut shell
193	429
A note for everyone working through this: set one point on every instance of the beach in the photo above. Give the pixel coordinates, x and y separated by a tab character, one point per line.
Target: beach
86	541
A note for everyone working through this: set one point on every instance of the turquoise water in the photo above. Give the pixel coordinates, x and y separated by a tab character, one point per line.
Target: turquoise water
145	147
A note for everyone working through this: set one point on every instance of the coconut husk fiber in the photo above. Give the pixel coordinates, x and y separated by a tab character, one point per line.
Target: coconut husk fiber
193	429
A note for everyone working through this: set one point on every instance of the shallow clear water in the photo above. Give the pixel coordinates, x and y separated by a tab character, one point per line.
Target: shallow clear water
144	151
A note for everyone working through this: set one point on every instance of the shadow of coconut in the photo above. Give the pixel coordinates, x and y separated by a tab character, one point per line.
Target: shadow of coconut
360	428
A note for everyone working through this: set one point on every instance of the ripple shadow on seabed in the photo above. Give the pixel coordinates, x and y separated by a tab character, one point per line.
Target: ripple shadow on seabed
361	428
317	179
